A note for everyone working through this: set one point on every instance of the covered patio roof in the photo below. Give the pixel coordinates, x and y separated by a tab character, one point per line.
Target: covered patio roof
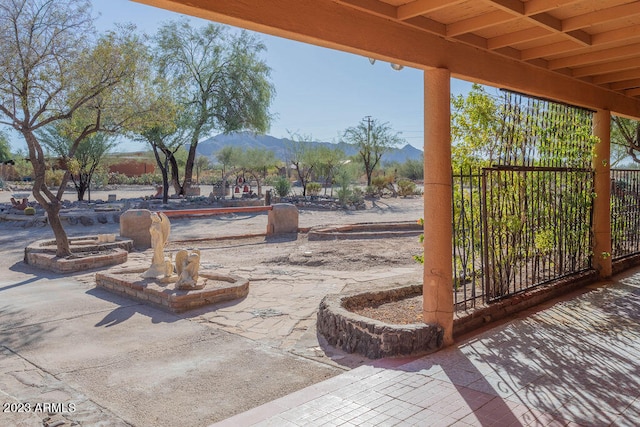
582	52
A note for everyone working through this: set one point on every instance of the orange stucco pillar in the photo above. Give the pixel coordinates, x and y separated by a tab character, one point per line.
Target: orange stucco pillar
601	258
438	273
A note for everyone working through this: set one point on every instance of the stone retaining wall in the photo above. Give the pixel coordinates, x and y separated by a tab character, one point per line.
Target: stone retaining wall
372	338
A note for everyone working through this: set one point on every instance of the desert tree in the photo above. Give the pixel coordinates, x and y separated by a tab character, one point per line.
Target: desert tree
202	164
224	83
164	133
255	161
88	155
372	139
53	66
5	148
625	133
475	128
330	159
228	158
303	157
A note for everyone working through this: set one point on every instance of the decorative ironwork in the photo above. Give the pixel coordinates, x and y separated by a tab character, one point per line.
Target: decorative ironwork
526	220
625	212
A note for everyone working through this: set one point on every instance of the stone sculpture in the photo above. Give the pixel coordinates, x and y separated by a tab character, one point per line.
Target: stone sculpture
187	266
159	230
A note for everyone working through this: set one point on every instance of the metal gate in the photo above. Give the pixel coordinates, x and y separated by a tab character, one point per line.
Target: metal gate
537	226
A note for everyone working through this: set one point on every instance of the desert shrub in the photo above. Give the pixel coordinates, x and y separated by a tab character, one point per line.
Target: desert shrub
370	191
313	188
357	196
344	195
411	169
406	188
53	178
282	186
100	177
117	178
147	179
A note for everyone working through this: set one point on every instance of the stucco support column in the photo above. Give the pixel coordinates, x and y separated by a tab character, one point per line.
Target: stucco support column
601	259
438	274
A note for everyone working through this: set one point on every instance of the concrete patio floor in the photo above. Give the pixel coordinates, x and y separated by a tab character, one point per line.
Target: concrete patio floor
122	363
574	362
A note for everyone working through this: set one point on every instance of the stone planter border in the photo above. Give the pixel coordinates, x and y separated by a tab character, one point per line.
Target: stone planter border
373	338
42	254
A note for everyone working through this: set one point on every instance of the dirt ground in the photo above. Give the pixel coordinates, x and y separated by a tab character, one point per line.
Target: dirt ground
349	255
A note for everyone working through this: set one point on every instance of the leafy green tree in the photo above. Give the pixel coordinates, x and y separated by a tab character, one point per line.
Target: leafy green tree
625	133
329	160
372	139
223	82
475	126
53	68
202	164
163	125
5	148
303	157
255	161
228	158
87	157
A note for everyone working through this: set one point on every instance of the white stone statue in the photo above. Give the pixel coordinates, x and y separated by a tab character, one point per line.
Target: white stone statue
159	230
187	266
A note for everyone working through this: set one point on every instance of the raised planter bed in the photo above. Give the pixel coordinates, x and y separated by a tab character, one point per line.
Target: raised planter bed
372	338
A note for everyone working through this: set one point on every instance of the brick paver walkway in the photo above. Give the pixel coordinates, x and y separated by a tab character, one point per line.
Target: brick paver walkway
575	363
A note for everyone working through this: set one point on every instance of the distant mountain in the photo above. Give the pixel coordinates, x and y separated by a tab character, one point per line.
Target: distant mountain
211	146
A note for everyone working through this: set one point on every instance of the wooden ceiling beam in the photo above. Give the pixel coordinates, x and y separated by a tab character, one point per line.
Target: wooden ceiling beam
555	25
632	92
613	36
479	22
514	6
374	7
594	57
547	50
600	16
429	25
533	7
625	84
607	67
421	7
616	77
516	37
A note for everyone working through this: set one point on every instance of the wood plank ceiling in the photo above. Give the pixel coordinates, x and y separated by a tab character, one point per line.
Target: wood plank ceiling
597	41
583	52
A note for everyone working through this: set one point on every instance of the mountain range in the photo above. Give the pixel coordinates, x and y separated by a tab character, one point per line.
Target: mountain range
209	147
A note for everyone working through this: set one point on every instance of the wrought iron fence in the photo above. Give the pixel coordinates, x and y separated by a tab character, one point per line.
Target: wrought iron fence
515	228
625	212
536	224
523	217
468	239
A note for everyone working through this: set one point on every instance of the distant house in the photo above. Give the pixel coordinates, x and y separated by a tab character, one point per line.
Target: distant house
131	164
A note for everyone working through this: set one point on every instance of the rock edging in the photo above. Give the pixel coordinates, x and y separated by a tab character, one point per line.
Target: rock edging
372	338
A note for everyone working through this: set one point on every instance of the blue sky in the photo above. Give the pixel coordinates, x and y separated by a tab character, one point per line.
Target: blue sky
319	92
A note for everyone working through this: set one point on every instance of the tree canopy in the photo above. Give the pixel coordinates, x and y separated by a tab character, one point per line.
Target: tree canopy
53	68
220	79
373	139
